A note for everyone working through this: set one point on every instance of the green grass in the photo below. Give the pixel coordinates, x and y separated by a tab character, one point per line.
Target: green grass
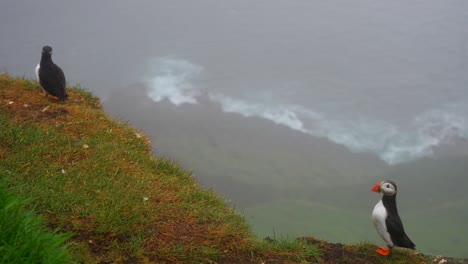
97	178
24	237
294	249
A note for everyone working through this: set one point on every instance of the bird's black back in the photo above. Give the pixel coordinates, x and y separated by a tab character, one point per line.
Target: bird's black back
394	224
52	78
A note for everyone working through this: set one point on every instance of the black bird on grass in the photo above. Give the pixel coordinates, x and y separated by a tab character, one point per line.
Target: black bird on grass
50	76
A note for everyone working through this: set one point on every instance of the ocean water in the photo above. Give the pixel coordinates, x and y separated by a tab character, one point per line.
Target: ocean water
394	140
292	110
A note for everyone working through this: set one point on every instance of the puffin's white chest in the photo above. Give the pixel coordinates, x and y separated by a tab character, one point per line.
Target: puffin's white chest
37	71
38	79
378	217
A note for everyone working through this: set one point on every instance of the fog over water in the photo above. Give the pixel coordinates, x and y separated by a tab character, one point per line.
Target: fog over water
293	110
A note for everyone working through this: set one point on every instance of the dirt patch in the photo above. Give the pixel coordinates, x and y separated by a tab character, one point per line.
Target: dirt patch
22	101
330	251
98	243
54	113
37	112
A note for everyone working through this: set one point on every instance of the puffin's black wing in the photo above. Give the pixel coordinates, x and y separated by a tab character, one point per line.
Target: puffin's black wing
397	232
52	79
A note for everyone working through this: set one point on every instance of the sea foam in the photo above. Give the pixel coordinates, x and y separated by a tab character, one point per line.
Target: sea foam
172	79
277	114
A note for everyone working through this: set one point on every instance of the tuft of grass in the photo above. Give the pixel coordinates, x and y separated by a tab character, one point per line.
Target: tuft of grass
24	237
289	250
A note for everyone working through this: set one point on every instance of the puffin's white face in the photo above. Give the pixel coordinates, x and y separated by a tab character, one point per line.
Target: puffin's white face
385	187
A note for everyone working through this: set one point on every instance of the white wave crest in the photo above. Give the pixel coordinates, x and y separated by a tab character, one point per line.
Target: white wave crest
171	79
279	115
393	144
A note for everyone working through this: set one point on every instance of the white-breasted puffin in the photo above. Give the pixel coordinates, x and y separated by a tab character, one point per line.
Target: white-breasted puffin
50	76
386	220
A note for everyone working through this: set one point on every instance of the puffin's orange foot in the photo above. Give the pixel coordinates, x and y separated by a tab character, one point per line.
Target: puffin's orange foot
56	98
384	251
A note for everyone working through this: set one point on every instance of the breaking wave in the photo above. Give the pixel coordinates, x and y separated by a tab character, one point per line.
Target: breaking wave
279	115
171	80
393	144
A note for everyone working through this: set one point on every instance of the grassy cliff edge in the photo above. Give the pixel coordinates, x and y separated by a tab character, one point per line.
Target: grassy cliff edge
95	177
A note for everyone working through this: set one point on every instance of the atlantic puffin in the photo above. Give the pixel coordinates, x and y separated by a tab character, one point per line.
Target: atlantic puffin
50	76
386	220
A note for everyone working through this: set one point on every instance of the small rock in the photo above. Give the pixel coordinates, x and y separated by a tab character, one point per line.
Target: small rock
85	146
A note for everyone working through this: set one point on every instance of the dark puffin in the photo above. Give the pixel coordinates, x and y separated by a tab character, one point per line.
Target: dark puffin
50	76
386	220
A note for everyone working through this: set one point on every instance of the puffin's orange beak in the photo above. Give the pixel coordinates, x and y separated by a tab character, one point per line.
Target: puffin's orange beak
376	187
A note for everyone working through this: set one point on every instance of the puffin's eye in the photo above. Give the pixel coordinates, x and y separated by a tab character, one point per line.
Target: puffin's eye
388	185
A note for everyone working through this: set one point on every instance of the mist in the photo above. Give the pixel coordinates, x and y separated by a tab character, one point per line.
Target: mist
292	110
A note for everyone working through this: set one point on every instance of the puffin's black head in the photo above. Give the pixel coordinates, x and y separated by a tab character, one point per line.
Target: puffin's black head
388	188
47	50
